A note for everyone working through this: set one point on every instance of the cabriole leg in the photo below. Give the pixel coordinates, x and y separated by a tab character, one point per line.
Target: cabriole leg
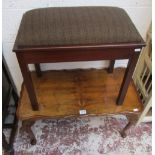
132	119
26	127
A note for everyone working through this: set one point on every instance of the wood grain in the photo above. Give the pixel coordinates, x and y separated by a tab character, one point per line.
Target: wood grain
64	93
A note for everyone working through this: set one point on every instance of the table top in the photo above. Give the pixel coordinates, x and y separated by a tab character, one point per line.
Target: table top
76	26
64	93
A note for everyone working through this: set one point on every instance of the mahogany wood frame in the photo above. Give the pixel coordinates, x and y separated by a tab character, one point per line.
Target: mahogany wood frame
36	55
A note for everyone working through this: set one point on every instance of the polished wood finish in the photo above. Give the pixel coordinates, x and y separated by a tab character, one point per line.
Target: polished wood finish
28	82
65	93
41	48
127	77
68	55
75	54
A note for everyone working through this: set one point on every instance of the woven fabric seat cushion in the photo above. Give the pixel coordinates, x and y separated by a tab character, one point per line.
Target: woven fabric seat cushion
76	26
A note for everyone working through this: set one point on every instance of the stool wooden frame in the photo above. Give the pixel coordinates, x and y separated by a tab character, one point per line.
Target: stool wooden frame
77	53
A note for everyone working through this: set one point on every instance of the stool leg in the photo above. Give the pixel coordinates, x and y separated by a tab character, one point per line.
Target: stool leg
111	67
26	127
127	78
132	119
27	80
38	70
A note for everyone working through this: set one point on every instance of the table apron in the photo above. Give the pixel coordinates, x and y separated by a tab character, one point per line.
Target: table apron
71	56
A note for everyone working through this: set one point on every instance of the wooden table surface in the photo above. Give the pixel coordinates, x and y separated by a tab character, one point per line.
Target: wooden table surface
65	93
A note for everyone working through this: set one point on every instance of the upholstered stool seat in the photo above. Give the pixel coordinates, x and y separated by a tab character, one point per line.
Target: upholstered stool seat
76	26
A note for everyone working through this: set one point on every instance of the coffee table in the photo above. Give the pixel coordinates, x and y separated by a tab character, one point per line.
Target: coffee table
78	93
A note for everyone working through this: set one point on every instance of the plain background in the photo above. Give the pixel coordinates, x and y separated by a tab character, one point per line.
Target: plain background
140	11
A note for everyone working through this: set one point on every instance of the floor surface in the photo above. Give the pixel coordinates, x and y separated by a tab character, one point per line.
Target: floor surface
85	136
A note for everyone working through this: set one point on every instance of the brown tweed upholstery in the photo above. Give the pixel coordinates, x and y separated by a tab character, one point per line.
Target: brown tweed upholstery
76	26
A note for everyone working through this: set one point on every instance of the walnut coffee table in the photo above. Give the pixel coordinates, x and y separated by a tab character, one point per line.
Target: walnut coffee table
70	34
